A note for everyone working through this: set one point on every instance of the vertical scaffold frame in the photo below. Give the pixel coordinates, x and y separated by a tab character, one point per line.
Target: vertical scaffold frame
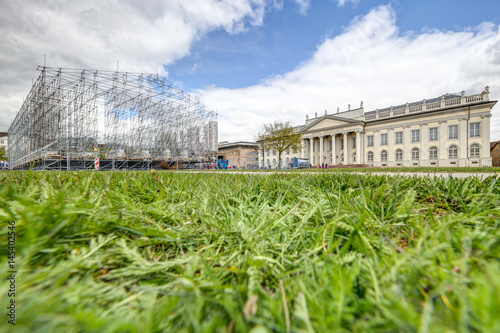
128	120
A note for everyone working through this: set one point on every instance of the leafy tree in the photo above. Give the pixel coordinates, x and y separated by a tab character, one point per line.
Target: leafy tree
280	137
3	154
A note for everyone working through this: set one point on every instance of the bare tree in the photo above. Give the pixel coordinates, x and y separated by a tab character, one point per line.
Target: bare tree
280	137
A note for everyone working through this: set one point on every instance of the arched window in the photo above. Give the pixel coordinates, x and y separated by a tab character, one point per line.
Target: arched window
342	158
399	155
433	153
370	156
287	161
274	163
383	156
415	154
474	151
453	152
268	163
354	158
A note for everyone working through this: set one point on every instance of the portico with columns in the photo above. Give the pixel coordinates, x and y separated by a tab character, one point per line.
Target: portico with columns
334	139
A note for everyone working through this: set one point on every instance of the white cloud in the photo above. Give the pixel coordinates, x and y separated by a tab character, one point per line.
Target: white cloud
303	5
369	61
98	33
195	67
343	2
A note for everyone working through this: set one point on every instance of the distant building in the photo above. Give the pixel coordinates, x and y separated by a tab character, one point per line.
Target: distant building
495	153
451	130
4	140
241	154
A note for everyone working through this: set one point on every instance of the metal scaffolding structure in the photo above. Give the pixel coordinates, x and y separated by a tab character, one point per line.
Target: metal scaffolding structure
127	120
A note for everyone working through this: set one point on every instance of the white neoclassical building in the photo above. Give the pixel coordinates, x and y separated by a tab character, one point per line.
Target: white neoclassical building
451	130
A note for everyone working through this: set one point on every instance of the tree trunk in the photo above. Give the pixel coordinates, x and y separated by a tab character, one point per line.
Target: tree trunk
279	159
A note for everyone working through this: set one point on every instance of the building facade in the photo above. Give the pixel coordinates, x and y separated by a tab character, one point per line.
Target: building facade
241	155
451	130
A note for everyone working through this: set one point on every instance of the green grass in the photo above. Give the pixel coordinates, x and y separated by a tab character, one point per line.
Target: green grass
179	252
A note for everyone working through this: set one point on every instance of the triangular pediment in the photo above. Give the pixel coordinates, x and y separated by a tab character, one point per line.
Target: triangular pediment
329	122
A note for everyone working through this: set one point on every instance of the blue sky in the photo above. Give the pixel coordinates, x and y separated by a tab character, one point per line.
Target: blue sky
257	61
288	37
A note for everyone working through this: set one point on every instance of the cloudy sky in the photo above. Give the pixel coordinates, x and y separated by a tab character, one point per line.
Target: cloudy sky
256	61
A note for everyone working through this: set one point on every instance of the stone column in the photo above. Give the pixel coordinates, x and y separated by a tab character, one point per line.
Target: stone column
424	133
334	160
303	151
311	142
390	149
463	142
346	146
486	136
406	142
321	149
376	146
358	147
362	146
443	134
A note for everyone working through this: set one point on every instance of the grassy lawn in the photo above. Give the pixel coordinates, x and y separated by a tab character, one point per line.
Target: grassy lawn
178	252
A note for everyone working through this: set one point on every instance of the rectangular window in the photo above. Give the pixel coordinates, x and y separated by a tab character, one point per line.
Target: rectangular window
353	142
474	130
453	132
369	139
415	135
433	153
453	152
474	151
383	139
268	153
433	134
399	138
341	144
383	156
331	144
415	154
274	152
399	155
